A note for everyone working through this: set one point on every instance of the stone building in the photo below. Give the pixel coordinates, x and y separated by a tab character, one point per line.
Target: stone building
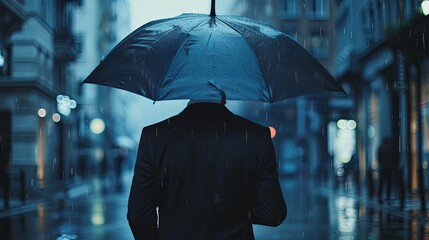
38	47
382	56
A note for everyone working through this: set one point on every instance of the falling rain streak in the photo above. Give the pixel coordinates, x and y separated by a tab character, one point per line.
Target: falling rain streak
66	174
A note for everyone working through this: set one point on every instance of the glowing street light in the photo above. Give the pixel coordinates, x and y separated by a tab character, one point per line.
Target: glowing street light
425	7
351	124
346	124
97	126
65	104
41	112
56	117
342	124
2	59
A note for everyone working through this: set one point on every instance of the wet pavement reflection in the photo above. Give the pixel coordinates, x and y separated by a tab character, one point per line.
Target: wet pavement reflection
314	212
98	214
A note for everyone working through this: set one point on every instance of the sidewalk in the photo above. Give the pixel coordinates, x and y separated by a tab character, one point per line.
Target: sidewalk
79	187
411	209
58	191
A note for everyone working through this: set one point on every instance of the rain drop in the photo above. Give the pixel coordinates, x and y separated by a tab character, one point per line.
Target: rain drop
216	198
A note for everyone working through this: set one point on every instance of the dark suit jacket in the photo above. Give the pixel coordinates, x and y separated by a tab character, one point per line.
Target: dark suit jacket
211	173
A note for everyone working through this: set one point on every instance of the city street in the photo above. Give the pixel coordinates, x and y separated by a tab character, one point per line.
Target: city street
342	86
92	211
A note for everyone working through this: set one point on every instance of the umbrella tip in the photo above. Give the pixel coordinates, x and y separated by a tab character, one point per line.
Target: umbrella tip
213	10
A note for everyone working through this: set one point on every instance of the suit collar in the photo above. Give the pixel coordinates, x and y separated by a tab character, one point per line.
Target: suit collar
205	109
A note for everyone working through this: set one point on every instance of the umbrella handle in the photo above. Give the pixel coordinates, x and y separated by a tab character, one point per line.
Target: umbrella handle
222	93
213	11
223	100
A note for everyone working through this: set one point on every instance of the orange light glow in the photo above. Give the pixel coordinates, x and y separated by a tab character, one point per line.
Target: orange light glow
273	132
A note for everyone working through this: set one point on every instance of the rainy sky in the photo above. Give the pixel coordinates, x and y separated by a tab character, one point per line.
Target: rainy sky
148	10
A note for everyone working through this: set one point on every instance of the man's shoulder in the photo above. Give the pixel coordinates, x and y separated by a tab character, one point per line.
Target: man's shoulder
159	125
181	121
247	123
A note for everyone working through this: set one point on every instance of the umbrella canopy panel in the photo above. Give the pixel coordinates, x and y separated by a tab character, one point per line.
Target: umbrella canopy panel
214	52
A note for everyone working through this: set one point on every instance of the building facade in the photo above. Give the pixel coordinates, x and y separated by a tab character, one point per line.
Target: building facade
13	17
382	55
34	74
100	25
47	49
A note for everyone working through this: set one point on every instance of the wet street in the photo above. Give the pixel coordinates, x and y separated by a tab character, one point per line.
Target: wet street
314	212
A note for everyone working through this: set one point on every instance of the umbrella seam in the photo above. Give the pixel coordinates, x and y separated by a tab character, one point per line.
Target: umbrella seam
256	58
144	26
174	56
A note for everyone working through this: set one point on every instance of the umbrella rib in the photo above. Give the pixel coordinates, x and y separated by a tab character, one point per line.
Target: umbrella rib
174	56
324	72
254	55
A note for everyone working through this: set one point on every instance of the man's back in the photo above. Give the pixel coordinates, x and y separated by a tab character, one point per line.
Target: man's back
214	175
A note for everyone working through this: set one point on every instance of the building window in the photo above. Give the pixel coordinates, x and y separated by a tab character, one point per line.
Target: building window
319	44
290	9
317	9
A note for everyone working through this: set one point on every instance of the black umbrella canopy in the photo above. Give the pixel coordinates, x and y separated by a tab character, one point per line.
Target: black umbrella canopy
196	56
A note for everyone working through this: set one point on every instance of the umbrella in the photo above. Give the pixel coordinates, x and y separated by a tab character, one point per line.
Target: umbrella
196	56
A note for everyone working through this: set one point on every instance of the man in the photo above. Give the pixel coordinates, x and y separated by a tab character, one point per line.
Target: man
211	174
